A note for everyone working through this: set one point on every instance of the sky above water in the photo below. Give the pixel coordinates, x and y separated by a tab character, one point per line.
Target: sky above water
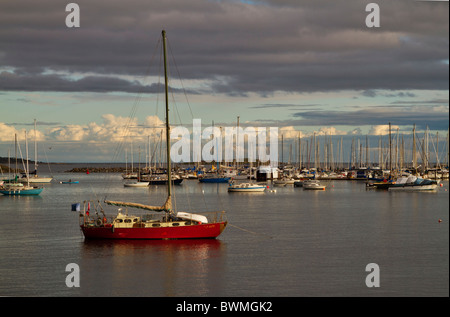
304	67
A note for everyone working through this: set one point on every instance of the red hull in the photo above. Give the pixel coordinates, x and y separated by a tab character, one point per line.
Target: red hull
208	230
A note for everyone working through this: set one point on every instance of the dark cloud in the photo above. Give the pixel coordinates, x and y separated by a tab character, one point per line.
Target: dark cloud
40	82
437	117
369	93
431	115
267	46
421	102
373	93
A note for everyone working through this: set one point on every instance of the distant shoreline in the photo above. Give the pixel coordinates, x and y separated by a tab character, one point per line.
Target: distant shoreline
97	170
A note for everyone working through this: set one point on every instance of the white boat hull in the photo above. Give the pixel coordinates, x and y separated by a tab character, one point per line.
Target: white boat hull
313	185
138	184
413	188
35	180
246	188
284	182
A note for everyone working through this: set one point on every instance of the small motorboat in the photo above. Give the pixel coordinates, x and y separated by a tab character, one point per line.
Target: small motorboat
136	184
313	184
246	187
69	182
284	182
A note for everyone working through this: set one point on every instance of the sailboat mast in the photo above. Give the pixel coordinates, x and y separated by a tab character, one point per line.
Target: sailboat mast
390	150
35	148
15	153
26	151
169	169
414	159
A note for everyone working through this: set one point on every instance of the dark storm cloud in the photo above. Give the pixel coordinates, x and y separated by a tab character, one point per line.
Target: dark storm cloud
263	47
41	82
366	117
435	116
432	113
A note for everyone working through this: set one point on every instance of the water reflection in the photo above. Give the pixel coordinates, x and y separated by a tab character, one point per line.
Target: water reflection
15	198
152	267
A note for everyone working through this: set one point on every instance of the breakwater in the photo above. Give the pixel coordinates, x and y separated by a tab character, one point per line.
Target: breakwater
97	170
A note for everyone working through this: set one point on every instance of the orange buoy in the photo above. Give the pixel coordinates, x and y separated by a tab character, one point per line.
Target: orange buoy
440	220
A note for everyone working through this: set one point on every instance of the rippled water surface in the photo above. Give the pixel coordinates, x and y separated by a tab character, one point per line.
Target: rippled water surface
291	242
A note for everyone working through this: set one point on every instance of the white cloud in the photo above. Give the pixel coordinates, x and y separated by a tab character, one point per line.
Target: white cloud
330	131
68	133
112	129
7	133
356	131
382	129
288	132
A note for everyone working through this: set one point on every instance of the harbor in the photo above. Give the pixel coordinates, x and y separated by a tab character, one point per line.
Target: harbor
288	242
232	229
224	155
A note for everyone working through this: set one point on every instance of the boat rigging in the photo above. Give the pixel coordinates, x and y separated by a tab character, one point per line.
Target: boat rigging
166	225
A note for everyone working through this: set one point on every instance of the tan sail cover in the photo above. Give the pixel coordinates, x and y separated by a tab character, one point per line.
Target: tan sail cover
166	207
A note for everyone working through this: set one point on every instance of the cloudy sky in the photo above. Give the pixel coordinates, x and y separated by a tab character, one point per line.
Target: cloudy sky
299	65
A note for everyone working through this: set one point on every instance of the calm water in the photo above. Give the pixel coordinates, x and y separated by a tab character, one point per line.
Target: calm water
286	243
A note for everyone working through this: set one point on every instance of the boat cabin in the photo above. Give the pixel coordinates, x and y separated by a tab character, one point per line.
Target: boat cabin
125	221
264	173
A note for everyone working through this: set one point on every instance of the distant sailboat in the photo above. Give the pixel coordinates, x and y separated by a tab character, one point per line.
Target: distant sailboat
406	183
138	182
163	179
283	181
215	176
213	179
169	224
15	188
413	183
36	178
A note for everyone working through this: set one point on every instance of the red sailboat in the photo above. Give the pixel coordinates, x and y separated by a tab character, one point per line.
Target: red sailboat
166	224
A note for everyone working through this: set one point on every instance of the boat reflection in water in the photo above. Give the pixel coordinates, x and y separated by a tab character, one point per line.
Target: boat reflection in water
152	267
